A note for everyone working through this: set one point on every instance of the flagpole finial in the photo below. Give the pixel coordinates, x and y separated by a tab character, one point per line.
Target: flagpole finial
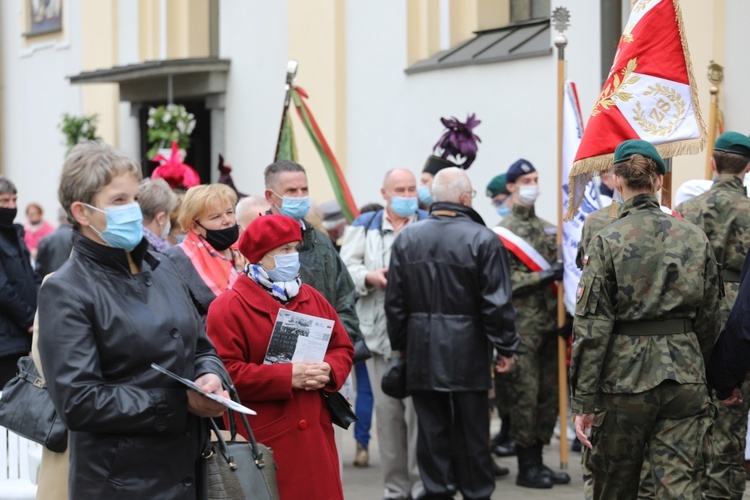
561	22
715	75
291	71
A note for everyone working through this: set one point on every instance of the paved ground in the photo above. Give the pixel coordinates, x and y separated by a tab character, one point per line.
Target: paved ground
366	484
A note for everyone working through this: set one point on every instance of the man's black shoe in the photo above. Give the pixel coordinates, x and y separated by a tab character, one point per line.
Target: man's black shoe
529	473
555	477
499	471
506	449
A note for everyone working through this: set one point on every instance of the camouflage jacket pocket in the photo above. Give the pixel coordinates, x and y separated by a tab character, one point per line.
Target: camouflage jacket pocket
587	296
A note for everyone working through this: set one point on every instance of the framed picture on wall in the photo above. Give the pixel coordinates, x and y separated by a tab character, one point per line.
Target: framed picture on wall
44	16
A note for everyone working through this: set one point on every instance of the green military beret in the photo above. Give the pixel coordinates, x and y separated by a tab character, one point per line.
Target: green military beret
497	186
638	147
733	142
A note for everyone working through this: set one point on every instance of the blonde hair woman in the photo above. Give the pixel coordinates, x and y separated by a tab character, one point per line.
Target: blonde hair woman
207	258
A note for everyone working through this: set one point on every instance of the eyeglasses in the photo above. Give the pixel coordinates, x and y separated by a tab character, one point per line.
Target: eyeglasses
473	193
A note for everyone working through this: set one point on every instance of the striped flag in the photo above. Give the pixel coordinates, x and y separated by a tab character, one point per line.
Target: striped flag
650	94
288	151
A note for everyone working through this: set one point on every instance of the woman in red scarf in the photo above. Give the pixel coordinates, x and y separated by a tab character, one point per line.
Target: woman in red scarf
207	258
293	418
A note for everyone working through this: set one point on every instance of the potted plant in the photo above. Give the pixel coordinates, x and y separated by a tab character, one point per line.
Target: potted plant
167	124
78	129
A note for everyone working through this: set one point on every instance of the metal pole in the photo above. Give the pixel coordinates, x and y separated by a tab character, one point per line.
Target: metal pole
291	74
561	18
715	76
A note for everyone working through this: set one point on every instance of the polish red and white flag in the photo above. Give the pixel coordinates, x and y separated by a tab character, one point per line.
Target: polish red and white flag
650	94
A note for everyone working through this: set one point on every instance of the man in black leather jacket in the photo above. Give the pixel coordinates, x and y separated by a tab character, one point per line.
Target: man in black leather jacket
448	304
18	286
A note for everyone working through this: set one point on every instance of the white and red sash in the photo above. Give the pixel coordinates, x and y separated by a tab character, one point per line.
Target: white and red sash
669	211
523	251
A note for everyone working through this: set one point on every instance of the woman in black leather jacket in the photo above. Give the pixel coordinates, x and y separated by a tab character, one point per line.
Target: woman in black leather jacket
104	317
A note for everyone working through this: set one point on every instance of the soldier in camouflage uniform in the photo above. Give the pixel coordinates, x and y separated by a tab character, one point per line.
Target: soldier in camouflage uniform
723	212
595	222
646	320
534	377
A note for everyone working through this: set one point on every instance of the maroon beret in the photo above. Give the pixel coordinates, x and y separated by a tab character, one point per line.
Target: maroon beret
265	233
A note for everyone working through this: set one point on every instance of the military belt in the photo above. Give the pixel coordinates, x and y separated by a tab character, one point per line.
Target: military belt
730	276
648	328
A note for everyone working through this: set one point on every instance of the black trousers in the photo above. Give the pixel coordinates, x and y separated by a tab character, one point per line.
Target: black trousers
8	368
452	443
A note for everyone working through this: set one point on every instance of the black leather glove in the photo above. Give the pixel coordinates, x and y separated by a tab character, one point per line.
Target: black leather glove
554	273
566	330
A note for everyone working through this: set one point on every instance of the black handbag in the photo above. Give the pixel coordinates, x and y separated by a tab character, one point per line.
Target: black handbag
233	469
340	410
27	409
361	352
394	379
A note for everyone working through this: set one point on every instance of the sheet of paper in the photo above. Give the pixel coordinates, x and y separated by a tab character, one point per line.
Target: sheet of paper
216	397
298	337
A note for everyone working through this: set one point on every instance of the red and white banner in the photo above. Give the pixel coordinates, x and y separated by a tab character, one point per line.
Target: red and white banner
526	253
650	94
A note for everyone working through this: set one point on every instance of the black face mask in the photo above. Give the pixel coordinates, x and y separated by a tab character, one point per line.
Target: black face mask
7	216
221	239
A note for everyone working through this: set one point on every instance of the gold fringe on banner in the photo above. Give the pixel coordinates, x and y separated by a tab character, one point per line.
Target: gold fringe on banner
701	144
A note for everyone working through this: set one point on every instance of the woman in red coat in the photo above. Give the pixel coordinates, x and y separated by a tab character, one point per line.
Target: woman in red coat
293	418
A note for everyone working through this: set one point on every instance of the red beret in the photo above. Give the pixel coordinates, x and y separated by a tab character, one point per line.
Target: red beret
265	233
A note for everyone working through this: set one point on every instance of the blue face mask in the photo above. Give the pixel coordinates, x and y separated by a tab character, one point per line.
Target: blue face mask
402	206
287	267
124	226
503	210
296	208
424	195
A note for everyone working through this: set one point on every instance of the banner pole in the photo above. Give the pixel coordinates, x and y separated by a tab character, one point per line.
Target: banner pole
715	76
291	74
561	17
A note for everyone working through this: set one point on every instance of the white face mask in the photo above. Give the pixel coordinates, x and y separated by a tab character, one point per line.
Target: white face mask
528	194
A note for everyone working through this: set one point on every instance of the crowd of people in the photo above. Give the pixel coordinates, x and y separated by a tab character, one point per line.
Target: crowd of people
196	280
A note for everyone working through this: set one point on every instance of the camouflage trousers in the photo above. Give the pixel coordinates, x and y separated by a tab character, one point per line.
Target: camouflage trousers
534	387
646	490
725	478
503	393
666	425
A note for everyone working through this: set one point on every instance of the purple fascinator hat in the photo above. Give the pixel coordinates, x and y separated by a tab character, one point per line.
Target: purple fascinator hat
459	143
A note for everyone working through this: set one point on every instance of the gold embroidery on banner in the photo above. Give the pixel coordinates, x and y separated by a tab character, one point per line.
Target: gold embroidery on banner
616	89
670	107
639	5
